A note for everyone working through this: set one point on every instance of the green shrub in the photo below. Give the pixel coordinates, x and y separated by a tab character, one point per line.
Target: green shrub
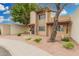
66	39
29	38
38	40
68	45
19	34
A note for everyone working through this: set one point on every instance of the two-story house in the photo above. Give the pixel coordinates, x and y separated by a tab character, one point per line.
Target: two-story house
41	23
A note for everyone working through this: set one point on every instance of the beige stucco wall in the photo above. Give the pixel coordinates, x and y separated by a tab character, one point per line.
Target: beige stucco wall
42	33
32	17
42	22
10	29
15	29
33	20
49	30
75	25
5	29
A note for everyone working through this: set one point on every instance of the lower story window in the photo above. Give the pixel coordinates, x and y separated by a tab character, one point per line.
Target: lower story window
41	28
60	28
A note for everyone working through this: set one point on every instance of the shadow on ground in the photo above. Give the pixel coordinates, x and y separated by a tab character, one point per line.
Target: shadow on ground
4	52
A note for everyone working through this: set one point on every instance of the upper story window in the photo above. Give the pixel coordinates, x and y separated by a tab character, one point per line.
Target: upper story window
42	16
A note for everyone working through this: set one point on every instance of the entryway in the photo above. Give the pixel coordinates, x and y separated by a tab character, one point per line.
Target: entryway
0	31
32	30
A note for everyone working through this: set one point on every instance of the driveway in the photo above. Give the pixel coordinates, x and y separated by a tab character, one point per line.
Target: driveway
21	48
4	52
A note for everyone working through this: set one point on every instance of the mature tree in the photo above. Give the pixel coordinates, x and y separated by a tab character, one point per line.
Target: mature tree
21	12
59	8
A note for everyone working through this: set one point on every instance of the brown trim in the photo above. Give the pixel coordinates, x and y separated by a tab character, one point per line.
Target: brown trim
31	25
62	23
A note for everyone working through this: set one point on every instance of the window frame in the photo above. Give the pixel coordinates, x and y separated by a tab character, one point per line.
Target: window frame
42	16
41	28
60	28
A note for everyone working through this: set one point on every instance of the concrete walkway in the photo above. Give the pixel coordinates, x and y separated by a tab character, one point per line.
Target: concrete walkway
4	52
21	48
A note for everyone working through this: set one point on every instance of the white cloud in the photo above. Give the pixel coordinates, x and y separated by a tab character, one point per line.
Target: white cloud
6	7
64	12
2	7
6	12
9	18
1	18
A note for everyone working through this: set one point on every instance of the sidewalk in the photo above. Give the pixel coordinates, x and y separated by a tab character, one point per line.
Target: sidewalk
21	48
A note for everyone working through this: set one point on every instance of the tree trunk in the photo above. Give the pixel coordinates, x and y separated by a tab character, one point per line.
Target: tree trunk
54	27
55	24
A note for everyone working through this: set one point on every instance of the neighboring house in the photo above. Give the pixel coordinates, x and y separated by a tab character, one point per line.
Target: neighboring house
75	25
11	28
41	23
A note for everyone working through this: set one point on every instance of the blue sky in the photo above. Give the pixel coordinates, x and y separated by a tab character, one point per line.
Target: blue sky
5	10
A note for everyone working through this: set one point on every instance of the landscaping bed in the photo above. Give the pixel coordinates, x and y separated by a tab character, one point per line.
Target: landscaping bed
55	48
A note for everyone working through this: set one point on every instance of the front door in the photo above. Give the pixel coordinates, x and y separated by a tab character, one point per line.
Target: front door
60	31
0	31
32	29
